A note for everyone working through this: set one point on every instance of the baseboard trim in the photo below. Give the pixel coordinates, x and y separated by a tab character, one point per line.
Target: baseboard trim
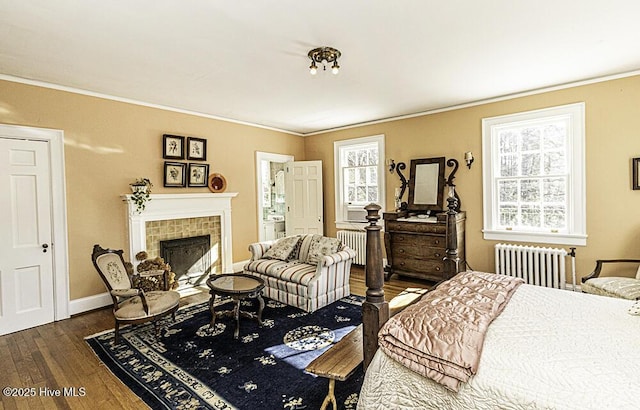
575	288
239	266
82	305
88	303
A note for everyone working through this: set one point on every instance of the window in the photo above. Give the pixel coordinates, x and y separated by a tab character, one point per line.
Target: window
359	174
533	175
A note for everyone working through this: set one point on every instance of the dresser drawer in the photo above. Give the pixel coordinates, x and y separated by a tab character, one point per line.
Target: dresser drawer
401	251
418	265
417	227
406	239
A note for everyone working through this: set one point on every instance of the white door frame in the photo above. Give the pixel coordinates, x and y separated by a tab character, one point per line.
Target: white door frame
265	156
55	139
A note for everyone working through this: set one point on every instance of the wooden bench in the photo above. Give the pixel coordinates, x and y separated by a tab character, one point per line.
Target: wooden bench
341	360
338	363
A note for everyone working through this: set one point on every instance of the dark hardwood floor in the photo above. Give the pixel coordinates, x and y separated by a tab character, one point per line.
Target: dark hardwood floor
52	357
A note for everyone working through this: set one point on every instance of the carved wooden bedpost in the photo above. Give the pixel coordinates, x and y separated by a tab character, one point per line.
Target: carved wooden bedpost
375	310
451	260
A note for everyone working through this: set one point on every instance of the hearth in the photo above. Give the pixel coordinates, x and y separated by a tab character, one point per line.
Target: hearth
190	258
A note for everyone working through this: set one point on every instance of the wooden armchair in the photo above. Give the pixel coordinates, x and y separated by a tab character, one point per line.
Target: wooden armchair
615	286
131	305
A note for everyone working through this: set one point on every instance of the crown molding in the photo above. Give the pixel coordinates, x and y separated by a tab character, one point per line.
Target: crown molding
80	91
328	130
482	102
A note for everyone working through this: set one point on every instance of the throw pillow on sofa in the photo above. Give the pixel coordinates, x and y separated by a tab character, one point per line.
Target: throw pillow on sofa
282	248
321	246
295	253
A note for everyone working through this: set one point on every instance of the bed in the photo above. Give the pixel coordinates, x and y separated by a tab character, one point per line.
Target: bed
547	348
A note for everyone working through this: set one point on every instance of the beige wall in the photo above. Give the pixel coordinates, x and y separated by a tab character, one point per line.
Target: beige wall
108	144
612	139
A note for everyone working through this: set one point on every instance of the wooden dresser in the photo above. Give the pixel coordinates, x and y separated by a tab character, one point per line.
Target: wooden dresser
416	247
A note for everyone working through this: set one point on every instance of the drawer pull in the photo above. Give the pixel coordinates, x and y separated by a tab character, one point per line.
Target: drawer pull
437	241
437	268
401	251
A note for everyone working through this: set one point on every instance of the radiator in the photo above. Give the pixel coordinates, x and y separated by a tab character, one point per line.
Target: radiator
536	265
355	240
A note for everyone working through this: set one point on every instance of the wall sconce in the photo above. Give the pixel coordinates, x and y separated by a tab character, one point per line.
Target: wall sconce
468	157
392	165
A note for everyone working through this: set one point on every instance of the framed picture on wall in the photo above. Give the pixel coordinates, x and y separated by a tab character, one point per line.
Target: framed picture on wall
175	174
196	149
172	147
198	175
635	170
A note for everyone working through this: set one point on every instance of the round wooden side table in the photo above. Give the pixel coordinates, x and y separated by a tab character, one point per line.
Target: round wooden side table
238	286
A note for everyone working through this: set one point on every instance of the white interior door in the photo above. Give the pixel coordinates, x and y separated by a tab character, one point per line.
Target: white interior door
26	265
303	187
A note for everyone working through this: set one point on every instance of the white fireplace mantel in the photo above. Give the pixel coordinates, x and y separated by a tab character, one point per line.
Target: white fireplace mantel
178	206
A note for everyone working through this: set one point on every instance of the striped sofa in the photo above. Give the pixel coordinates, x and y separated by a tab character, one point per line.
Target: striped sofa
297	283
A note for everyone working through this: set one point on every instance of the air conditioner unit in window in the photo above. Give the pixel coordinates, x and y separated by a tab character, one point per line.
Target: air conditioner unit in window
356	213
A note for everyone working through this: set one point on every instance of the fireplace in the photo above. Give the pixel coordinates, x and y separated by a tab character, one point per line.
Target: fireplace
177	216
189	258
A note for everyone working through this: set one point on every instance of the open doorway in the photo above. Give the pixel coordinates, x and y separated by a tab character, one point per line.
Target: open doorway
271	194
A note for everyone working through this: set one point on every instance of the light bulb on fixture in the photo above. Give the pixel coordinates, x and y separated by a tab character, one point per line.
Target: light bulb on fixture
324	56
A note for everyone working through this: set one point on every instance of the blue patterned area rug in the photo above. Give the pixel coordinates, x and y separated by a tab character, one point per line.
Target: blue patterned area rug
193	366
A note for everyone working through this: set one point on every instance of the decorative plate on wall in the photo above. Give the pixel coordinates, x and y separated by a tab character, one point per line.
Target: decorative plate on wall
217	183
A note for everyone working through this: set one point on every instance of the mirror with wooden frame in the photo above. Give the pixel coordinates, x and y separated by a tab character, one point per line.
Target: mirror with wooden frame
426	184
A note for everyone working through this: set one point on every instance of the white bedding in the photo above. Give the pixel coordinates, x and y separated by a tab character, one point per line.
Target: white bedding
549	349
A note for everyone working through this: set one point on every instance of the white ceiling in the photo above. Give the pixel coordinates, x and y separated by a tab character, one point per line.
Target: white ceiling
247	60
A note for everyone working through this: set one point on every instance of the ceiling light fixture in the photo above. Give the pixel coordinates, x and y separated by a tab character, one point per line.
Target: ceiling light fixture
324	56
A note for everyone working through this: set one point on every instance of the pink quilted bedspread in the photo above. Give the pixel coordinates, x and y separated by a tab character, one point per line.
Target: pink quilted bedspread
441	336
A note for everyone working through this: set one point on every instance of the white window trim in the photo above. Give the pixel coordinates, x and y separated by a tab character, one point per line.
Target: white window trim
340	221
577	225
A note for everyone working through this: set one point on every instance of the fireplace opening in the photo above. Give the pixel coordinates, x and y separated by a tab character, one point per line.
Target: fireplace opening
190	258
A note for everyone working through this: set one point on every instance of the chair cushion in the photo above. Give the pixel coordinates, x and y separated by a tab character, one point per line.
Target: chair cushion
619	287
158	301
322	246
282	248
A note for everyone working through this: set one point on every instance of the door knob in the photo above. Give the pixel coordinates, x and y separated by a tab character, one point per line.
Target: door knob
44	247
